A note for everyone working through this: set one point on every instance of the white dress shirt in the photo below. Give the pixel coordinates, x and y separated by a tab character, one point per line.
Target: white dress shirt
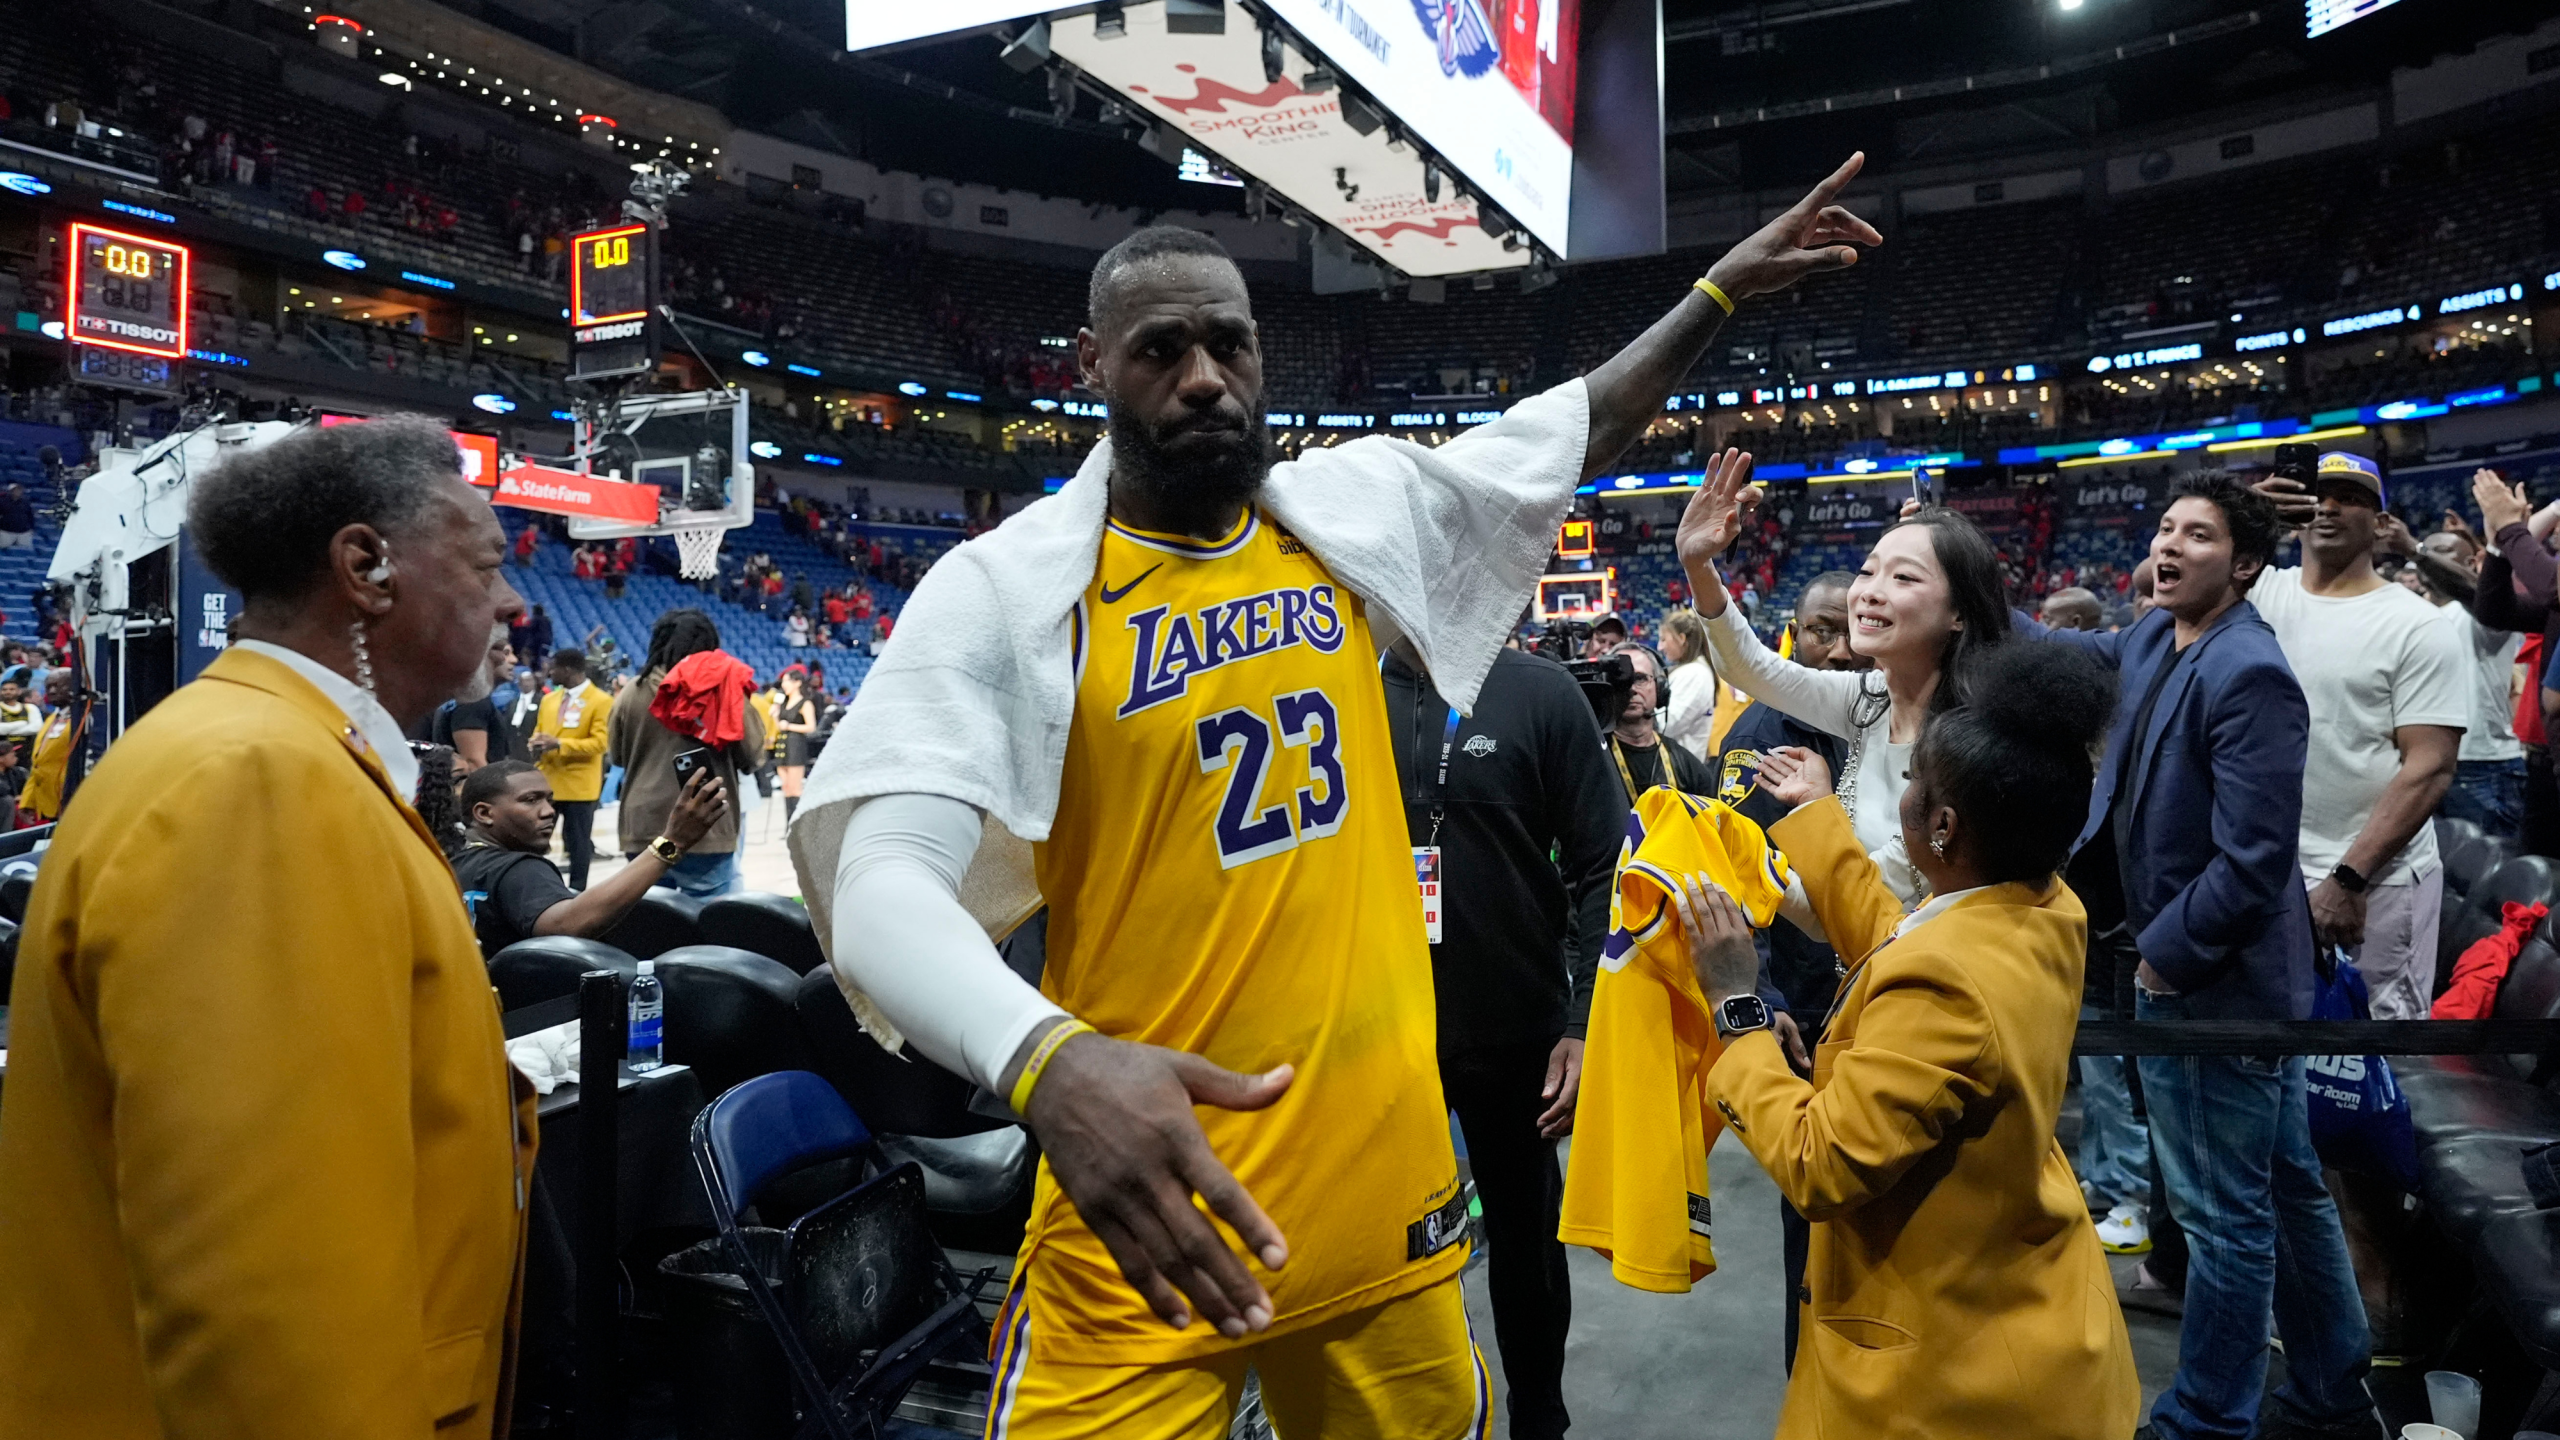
390	743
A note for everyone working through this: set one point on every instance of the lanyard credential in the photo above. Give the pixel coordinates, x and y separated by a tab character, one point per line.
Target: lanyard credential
1439	795
1427	873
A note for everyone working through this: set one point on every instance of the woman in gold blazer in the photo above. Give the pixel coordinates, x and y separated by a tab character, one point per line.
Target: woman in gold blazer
262	1158
1954	1285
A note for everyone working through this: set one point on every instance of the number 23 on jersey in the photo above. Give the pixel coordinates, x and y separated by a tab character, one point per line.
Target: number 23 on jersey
1239	741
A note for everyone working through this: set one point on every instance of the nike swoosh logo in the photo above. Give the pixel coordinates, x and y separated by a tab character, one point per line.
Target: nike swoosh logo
1114	597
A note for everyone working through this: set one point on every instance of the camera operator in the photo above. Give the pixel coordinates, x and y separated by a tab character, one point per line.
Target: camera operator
1634	743
1489	799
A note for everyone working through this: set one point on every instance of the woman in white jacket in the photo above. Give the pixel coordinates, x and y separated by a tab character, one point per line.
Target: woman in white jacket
1690	717
1927	597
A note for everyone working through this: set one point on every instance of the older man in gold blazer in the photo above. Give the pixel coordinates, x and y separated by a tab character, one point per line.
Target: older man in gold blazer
262	1158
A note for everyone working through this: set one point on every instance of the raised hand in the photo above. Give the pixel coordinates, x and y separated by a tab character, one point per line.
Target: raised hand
1714	518
1813	235
2500	504
1794	775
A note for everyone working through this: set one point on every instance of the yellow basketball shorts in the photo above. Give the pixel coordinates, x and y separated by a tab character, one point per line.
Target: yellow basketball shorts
1404	1370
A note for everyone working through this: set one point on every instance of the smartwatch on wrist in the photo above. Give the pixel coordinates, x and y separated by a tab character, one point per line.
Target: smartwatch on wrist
2348	880
1740	1015
666	850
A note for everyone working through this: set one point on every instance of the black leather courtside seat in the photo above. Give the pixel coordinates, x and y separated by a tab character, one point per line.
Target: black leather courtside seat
547	967
2517	1256
902	1094
774	926
729	1014
2526	880
2458	841
664	919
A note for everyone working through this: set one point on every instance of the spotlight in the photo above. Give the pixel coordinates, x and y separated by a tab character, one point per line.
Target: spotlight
1029	50
1361	113
1274	57
1109	22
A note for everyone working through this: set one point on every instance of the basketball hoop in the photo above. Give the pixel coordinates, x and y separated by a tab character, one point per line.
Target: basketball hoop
698	551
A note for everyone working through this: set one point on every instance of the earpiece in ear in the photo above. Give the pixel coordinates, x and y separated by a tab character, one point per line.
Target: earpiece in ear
378	573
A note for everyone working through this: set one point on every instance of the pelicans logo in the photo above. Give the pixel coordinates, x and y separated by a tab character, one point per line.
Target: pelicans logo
1462	31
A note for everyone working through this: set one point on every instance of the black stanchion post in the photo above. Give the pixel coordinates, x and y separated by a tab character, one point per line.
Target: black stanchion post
601	1021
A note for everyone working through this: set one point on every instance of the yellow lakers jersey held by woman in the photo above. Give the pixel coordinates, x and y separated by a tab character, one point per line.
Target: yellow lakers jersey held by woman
1229	875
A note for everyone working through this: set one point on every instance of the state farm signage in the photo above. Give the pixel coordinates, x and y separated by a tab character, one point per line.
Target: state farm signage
1209	90
566	492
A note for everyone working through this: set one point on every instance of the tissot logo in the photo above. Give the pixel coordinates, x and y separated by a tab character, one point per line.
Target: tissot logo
127	330
625	330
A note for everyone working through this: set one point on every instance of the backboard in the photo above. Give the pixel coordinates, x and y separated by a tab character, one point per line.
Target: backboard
692	447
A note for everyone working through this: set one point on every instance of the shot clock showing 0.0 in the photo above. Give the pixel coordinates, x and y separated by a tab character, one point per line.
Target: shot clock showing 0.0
609	275
128	292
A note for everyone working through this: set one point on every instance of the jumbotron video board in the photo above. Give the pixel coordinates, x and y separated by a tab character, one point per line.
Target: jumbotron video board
1494	88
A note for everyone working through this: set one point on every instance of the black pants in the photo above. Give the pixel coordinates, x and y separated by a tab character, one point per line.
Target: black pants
1795	1236
1495	1092
578	834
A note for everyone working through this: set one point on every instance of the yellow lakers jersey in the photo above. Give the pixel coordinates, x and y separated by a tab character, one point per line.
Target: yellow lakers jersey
1651	1041
1229	875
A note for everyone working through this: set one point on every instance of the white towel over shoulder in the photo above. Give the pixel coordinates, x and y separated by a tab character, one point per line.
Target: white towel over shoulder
973	696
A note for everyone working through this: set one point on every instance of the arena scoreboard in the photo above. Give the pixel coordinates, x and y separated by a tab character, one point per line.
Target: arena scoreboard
613	302
127	325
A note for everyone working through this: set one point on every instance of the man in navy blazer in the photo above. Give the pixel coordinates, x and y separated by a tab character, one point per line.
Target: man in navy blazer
2200	798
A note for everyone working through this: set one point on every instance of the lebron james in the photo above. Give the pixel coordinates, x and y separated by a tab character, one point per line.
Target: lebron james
1151	702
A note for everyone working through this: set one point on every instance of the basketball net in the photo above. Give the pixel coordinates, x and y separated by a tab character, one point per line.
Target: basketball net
698	551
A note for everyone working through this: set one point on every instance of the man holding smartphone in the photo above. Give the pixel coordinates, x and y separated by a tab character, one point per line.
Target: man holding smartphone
2385	683
658	760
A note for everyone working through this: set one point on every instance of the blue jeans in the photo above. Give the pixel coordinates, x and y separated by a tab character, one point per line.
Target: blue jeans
2115	1151
2489	794
2233	1137
704	877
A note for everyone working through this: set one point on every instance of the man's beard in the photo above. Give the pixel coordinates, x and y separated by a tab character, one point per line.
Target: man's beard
483	680
1198	487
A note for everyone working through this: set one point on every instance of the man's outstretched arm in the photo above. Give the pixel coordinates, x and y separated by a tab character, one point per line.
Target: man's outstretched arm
1628	389
1115	1119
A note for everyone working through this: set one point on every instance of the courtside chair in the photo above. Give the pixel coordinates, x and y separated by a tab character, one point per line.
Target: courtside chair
861	1299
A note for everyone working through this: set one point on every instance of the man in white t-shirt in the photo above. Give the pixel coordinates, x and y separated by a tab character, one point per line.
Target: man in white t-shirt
2388	689
2489	774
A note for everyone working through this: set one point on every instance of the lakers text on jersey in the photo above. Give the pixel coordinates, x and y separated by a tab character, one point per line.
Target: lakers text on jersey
1228	875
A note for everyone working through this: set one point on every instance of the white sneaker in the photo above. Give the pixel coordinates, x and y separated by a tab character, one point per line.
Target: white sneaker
2125	1231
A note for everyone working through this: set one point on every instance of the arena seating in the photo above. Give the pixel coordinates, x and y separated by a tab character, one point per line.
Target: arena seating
2475	1115
576	606
1966	285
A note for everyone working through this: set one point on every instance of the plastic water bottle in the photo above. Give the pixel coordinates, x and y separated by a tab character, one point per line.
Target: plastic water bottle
648	1016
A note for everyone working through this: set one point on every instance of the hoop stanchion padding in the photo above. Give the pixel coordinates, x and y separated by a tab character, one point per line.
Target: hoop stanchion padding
2316	1037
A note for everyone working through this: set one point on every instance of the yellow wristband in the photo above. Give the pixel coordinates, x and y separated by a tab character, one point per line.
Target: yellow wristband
1020	1099
1716	293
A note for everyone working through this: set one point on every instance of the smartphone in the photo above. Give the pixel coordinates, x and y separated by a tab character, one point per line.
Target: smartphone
1926	488
689	761
2297	463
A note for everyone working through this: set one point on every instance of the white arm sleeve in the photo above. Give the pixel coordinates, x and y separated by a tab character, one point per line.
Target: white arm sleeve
902	938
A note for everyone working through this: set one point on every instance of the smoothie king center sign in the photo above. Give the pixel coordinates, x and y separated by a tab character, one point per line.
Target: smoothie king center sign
1210	89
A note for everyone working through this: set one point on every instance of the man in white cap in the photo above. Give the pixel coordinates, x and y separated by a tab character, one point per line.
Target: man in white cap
2385	683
